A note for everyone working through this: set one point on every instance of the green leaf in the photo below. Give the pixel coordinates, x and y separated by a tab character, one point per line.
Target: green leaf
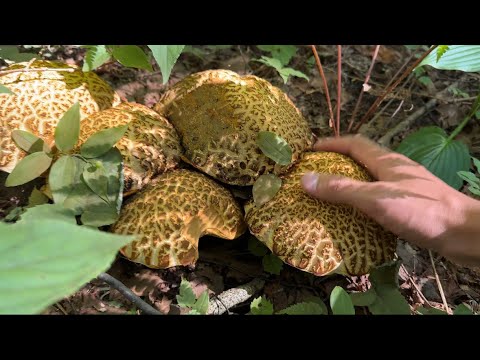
425	80
265	188
68	129
389	300
102	141
36	198
10	52
261	306
363	298
458	57
303	308
272	264
462	309
194	312
441	50
29	168
201	305
29	142
186	297
5	90
96	179
62	178
444	158
49	212
132	56
166	56
42	261
340	302
283	53
476	162
96	56
256	247
474	190
274	147
430	311
99	216
469	178
283	71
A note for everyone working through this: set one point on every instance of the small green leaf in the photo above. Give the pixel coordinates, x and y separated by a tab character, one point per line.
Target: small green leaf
303	308
96	179
476	162
272	264
42	261
166	56
265	188
29	168
425	80
444	158
340	302
62	178
29	142
441	50
469	178
96	56
99	216
102	141
10	52
36	198
132	56
5	90
283	53
458	57
68	129
49	212
186	296
201	305
363	298
283	71
261	306
430	311
462	309
474	190
274	147
256	247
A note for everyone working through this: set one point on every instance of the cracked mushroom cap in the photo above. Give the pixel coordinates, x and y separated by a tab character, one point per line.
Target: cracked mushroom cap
149	147
172	213
316	236
39	100
218	115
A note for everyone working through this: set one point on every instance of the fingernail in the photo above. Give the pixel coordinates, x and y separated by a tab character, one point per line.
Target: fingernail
310	181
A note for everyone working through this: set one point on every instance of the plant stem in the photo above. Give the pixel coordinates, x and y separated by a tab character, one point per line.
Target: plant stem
460	126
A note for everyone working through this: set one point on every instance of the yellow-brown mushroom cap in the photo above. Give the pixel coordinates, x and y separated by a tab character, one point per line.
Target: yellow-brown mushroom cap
39	100
172	213
317	236
218	115
149	147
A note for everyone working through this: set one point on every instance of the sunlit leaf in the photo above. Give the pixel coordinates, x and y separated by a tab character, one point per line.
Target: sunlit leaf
68	129
29	168
102	141
132	56
29	142
261	306
166	56
274	147
96	56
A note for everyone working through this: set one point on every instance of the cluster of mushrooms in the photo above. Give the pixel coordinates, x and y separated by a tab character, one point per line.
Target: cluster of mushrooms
181	157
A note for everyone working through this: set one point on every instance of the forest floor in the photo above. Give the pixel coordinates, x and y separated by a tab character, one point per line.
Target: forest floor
226	264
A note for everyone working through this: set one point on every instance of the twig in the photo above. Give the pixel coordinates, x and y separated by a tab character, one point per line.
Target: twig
419	292
227	299
325	86
61	308
392	87
128	294
4	72
439	284
365	85
339	87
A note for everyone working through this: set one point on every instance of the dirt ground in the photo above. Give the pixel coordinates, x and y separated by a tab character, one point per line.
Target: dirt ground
226	264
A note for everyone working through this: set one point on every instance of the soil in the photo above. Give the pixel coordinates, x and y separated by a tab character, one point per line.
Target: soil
226	264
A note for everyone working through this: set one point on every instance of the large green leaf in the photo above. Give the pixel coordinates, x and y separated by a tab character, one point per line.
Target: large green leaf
303	308
10	52
96	56
272	264
363	298
29	142
5	90
265	188
29	168
48	212
274	147
340	302
102	141
42	261
430	147
68	129
457	57
132	56
282	53
96	179
166	56
62	177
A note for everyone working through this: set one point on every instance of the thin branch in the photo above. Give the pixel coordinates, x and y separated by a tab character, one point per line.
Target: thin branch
439	284
325	86
339	87
392	87
128	294
4	72
365	85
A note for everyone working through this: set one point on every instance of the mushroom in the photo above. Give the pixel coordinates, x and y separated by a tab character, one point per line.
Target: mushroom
149	147
39	100
316	236
170	215
218	115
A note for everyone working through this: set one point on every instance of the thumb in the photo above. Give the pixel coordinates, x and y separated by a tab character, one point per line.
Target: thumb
335	189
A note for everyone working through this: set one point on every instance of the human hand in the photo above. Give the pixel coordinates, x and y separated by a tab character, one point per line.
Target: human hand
407	199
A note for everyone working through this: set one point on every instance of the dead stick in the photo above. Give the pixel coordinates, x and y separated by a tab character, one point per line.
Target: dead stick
4	72
439	284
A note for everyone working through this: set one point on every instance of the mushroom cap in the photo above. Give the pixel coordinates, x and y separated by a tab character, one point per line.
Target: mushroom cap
150	146
39	100
316	236
218	115
170	215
